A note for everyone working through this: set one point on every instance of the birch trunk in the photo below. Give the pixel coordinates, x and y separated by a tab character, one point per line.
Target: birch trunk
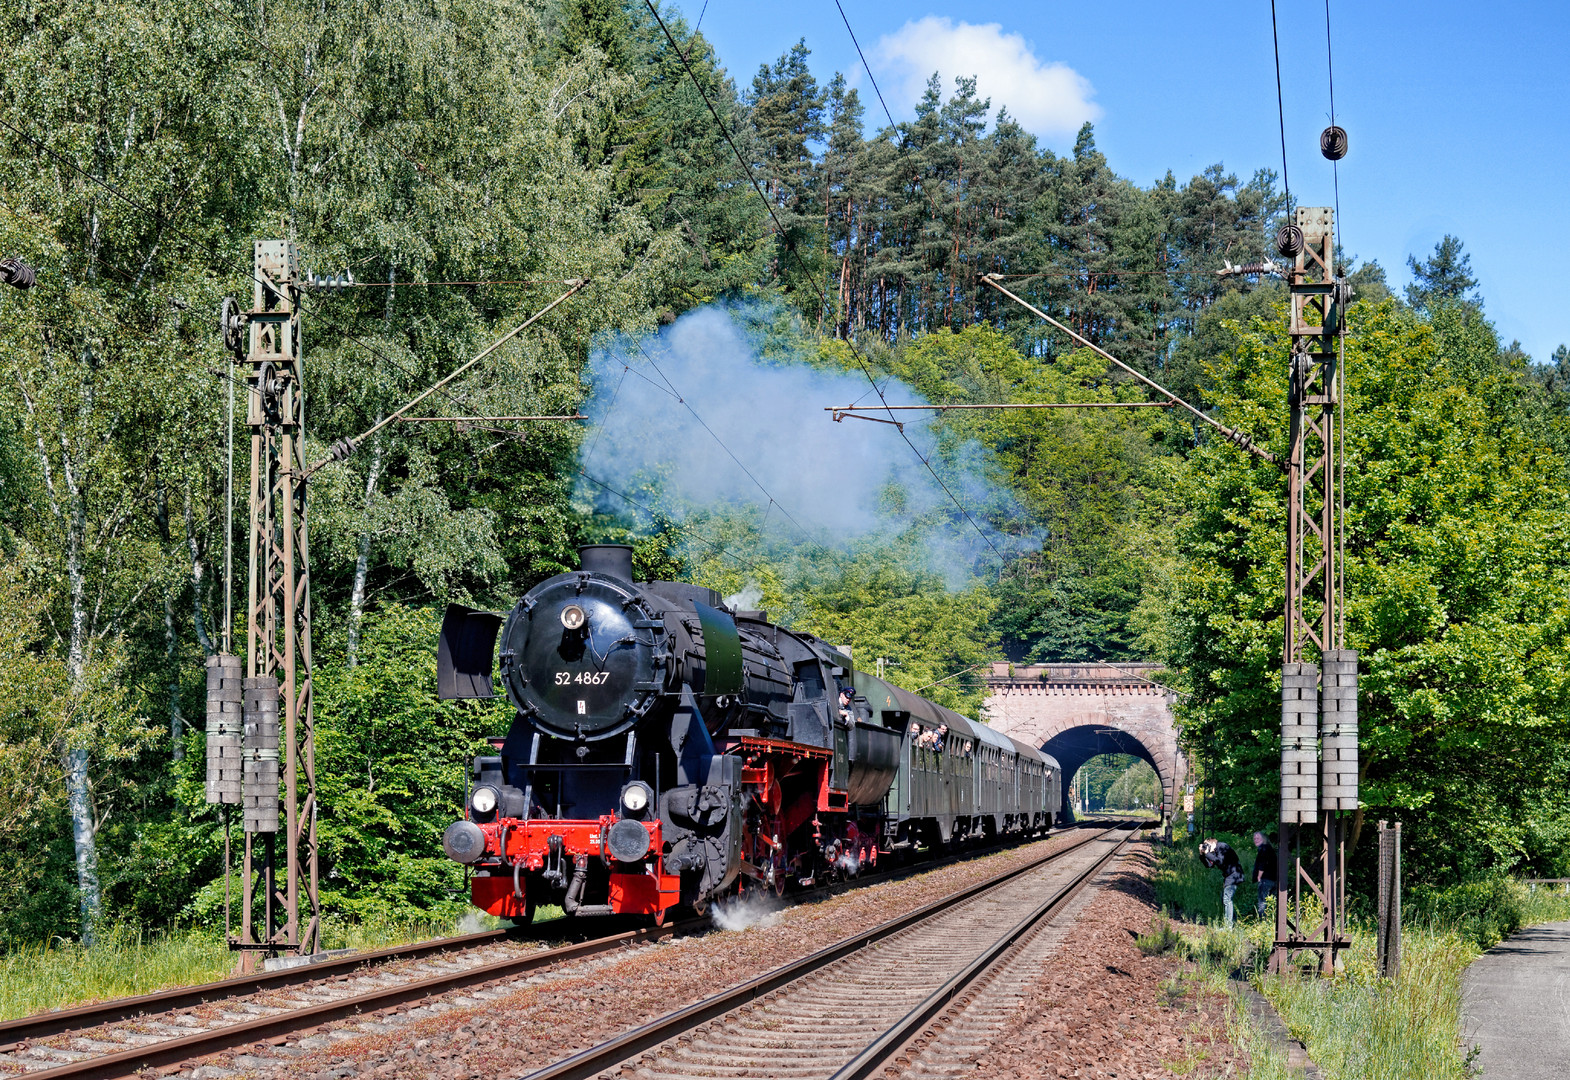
362	562
172	659
198	622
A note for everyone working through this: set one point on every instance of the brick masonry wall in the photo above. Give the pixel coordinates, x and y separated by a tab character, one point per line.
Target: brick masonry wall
1038	703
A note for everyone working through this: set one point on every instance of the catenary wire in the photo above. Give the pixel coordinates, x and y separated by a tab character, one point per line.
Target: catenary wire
724	131
1281	114
1335	173
1335	165
438	389
657	517
866	67
250	272
729	452
740	159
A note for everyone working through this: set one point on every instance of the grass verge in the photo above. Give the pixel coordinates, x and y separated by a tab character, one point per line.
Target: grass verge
1356	1026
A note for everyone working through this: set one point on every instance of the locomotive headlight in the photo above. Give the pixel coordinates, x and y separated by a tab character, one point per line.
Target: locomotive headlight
483	800
573	616
635	797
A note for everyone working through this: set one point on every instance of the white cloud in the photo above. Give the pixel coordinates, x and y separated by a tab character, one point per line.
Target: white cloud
1049	99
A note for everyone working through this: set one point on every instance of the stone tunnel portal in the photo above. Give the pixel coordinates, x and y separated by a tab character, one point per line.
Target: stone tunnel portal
1077	711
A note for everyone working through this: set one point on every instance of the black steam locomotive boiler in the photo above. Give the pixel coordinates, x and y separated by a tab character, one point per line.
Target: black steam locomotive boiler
667	751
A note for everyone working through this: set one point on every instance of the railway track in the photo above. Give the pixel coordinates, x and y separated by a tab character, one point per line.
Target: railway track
156	1031
919	992
119	1038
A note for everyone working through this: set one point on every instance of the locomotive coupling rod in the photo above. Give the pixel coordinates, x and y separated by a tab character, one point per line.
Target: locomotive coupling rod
344	447
1232	435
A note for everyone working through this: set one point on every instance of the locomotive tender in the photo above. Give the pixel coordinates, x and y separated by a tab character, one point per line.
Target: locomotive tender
668	751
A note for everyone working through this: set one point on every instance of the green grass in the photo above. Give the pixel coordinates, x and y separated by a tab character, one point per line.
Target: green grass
1356	1025
128	961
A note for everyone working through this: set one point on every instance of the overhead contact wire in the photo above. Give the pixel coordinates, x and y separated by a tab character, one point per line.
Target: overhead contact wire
1281	113
791	249
865	66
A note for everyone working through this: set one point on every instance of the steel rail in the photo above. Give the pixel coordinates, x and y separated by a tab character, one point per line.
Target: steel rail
42	1025
597	1059
908	1028
80	1018
18	1032
200	1044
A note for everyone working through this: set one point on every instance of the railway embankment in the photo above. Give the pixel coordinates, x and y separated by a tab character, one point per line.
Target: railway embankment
517	1028
1359	1025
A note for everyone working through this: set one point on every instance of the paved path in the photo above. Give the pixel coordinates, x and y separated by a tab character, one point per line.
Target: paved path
1516	1006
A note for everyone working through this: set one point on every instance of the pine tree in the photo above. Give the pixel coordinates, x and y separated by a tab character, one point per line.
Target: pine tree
786	111
844	163
1443	277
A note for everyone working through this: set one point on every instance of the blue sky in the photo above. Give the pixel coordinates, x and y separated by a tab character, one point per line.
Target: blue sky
1458	114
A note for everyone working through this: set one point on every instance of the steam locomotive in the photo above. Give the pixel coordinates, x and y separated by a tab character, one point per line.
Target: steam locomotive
668	751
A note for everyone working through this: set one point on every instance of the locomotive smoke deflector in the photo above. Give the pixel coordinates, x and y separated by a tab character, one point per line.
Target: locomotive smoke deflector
721	651
464	652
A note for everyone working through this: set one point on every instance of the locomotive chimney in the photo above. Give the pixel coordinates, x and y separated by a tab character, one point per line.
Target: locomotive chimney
612	560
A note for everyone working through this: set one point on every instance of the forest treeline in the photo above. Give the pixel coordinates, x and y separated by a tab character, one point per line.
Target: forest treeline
463	160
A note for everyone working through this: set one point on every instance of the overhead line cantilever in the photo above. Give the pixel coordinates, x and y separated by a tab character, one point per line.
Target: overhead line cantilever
1232	434
344	447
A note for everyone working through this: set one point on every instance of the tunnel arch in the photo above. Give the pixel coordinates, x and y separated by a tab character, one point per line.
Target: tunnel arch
1076	711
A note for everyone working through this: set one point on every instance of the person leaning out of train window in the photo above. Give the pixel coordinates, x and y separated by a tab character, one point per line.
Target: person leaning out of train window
1217	853
845	704
938	737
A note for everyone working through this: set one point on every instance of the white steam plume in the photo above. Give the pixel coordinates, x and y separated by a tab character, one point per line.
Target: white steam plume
837	482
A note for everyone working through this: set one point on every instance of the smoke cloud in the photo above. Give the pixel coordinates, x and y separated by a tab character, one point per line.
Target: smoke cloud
671	409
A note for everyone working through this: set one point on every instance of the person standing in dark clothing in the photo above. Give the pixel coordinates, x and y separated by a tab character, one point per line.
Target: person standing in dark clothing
1216	853
1264	871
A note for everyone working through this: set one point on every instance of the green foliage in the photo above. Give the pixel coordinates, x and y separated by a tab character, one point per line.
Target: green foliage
1458	573
391	760
1162	938
1078	481
523	143
1484	911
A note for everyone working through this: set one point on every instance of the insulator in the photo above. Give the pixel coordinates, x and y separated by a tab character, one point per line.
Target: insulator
18	273
330	283
342	449
1289	241
1332	142
230	323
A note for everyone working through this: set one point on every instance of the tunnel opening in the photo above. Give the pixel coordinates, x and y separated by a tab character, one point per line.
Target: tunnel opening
1115	782
1095	756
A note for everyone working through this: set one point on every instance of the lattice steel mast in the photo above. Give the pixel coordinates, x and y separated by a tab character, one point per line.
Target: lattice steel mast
1318	700
276	684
